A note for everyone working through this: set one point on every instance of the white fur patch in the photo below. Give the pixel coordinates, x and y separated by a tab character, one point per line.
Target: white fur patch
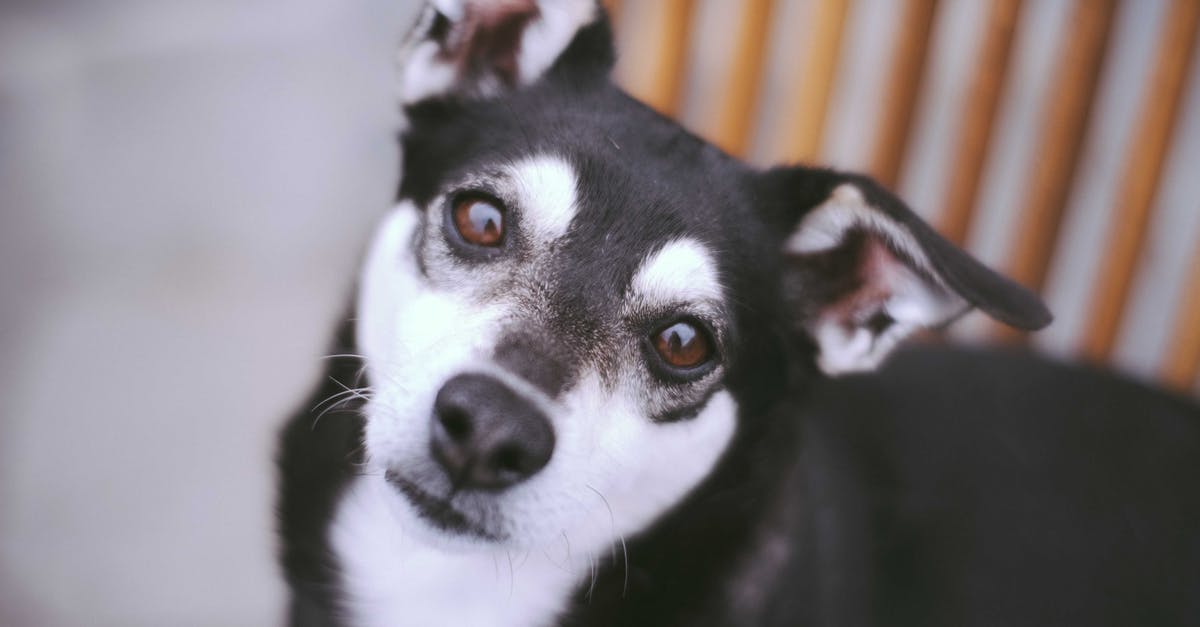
548	36
393	579
545	188
424	73
682	271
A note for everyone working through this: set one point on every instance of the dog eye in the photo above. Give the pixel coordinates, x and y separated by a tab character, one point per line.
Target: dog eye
479	221
683	345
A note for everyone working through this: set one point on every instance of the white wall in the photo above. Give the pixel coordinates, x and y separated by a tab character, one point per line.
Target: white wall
184	191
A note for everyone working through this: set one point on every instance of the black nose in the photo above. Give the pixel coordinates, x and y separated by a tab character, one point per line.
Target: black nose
486	436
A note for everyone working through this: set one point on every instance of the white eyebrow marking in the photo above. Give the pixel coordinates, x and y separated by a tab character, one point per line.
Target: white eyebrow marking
682	271
545	187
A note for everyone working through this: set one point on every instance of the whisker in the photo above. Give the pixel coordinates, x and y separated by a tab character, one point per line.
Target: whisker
340	395
565	563
592	585
357	392
345	356
331	411
512	575
550	559
348	394
362	466
612	524
625	554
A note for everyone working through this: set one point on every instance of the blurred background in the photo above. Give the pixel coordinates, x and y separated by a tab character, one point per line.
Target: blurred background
185	190
186	187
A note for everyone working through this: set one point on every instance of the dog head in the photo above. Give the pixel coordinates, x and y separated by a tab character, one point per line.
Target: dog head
576	301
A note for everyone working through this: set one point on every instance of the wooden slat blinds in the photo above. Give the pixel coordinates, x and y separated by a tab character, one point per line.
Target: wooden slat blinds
731	129
813	86
1065	120
1143	166
979	113
903	85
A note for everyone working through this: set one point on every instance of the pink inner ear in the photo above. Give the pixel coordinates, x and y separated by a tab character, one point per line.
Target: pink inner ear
880	266
870	287
880	273
489	37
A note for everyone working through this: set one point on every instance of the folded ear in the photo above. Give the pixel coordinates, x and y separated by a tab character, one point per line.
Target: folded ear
478	48
862	271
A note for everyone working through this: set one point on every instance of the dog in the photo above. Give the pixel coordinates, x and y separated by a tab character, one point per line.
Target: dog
599	372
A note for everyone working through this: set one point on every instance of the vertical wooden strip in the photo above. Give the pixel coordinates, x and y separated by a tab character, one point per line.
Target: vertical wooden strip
1143	167
1183	357
813	85
904	82
667	80
731	129
978	120
653	68
1065	116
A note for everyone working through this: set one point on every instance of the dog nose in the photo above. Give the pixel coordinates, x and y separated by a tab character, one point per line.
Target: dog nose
486	436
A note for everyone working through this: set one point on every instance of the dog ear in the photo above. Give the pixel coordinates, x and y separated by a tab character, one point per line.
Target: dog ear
862	271
478	48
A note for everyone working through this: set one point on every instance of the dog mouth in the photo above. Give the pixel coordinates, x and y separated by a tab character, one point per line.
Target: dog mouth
437	511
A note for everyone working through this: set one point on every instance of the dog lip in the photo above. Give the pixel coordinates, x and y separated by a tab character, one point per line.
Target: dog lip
437	511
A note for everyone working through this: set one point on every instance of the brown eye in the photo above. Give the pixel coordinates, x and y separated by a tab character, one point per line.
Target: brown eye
479	221
683	345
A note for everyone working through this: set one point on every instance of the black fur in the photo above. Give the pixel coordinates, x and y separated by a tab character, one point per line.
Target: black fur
952	488
321	446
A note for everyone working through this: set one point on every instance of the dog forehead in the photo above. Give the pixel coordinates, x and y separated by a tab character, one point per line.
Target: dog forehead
621	152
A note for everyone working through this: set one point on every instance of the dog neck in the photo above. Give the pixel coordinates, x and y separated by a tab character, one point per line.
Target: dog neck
389	577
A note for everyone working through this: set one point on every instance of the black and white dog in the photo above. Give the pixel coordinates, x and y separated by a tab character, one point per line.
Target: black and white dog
592	382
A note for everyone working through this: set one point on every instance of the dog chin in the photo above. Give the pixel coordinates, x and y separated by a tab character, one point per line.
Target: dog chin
438	521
